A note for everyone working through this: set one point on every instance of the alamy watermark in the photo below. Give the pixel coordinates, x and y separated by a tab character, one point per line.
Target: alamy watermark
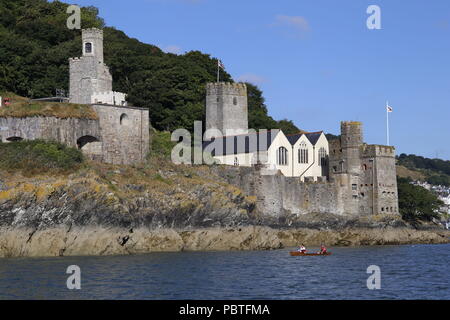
374	20
74	280
374	280
74	21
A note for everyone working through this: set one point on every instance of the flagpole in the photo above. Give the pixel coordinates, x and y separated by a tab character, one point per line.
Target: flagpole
387	122
218	70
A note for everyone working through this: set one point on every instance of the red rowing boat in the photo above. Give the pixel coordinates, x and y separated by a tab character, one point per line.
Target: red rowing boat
298	253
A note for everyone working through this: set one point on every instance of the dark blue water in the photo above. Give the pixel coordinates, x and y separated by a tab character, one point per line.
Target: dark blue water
407	272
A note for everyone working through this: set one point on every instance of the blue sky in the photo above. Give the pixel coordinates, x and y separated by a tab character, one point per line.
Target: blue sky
316	61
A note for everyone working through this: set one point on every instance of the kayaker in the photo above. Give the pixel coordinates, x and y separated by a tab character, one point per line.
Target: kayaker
302	249
323	249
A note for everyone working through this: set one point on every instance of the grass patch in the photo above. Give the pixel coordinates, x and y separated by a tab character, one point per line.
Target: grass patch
23	107
161	145
32	157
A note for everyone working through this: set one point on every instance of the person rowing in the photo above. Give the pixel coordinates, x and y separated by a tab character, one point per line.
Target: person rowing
323	249
302	249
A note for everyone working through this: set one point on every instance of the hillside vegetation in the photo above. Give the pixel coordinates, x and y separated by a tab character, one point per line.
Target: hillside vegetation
433	171
35	45
37	156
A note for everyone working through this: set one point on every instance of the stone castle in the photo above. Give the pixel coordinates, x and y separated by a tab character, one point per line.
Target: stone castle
119	134
301	173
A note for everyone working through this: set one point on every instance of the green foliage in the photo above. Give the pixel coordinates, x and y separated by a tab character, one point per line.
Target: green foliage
416	203
436	170
37	156
35	45
161	144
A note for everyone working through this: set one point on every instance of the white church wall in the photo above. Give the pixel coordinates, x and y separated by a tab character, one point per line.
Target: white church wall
280	141
303	170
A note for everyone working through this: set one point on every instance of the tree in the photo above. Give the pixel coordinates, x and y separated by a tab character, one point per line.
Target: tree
417	204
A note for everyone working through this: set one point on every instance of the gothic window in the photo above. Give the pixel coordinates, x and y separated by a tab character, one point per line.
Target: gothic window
282	156
303	153
323	157
235	101
88	47
236	161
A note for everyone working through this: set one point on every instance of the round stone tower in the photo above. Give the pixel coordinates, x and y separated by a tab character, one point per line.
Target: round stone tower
227	107
351	142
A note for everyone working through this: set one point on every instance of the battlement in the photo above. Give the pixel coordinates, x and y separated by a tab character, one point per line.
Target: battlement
92	32
226	88
375	150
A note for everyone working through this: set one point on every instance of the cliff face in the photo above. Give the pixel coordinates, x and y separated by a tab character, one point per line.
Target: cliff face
111	196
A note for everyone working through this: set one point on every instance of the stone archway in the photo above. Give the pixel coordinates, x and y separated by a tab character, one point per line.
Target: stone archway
91	147
14	139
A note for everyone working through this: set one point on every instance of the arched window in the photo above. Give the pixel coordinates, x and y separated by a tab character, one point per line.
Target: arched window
303	153
124	119
236	161
282	156
88	47
323	157
235	101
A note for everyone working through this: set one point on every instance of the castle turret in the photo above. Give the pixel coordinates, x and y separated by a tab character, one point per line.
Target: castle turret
226	107
351	142
93	43
88	74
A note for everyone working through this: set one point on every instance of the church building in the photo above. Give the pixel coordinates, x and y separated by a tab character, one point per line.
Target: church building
303	155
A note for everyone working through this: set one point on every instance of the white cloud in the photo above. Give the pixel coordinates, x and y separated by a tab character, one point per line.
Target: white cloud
298	25
172	49
251	78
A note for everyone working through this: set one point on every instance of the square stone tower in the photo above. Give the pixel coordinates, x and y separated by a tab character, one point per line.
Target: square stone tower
366	172
89	74
227	108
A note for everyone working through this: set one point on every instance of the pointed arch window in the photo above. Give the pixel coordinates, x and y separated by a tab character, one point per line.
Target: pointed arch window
323	157
303	153
282	156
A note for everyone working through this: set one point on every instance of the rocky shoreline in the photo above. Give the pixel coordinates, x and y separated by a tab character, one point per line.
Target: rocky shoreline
100	241
111	210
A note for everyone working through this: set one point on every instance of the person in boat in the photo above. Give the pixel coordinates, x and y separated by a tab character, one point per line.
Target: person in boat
302	249
323	249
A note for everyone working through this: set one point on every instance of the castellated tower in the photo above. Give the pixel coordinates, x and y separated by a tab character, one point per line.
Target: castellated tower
351	142
88	74
227	107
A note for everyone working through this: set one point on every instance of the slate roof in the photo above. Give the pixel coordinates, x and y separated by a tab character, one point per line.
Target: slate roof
243	143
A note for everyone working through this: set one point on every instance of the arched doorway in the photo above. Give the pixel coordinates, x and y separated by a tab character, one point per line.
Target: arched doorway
91	147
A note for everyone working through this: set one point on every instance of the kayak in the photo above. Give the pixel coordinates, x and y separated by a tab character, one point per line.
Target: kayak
297	253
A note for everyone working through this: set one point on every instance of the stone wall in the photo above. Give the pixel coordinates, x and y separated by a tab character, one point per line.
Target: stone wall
124	132
277	195
67	131
227	107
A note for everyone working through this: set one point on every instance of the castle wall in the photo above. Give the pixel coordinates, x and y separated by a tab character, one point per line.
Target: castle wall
125	133
278	195
66	131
